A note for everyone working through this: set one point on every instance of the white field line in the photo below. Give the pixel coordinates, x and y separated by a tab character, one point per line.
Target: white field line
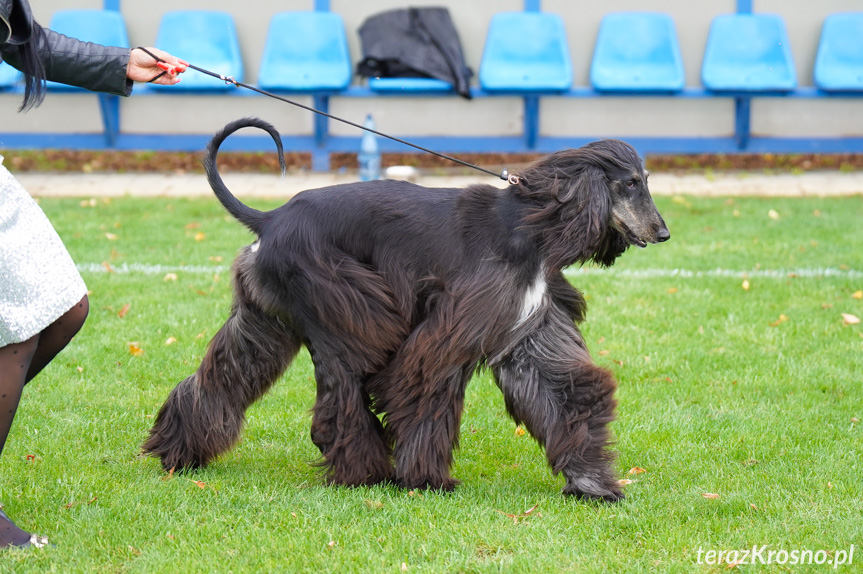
804	272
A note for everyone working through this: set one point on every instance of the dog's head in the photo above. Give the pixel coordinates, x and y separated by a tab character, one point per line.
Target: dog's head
593	203
633	213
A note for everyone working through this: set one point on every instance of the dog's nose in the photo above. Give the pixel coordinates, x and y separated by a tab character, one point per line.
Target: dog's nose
663	235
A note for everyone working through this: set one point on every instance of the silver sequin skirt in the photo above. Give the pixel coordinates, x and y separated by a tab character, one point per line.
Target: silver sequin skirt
38	279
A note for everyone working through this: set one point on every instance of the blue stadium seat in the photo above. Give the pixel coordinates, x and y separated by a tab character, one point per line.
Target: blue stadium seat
526	52
207	39
105	27
839	63
637	52
306	51
9	76
748	53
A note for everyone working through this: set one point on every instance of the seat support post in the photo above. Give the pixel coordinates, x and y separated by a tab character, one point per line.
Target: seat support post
320	154
109	107
742	114
531	120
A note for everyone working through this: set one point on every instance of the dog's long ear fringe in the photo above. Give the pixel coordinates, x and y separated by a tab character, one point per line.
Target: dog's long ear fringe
251	218
571	210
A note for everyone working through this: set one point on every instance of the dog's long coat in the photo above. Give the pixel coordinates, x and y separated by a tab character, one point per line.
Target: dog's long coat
400	292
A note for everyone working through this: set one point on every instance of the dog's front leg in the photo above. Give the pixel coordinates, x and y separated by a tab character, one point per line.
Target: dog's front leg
566	402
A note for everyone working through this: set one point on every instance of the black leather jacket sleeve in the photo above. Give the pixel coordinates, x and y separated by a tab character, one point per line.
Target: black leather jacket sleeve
82	64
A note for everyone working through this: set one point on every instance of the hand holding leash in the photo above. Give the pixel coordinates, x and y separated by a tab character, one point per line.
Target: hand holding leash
145	65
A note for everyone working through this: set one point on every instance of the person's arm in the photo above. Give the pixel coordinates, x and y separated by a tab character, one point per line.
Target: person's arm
95	67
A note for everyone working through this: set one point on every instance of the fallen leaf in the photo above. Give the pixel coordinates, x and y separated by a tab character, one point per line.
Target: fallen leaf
170	340
848	319
604	352
135	350
745	285
80	369
200	236
193	225
519	431
773	214
817	213
857	295
672	289
30	457
124	310
89	203
636	470
71	504
829	485
170	277
855	420
753	506
782	319
331	543
110	237
170	474
522	516
624	482
373	504
709	495
404	567
108	267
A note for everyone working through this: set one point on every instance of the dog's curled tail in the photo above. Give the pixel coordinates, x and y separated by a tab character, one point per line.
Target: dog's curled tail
251	218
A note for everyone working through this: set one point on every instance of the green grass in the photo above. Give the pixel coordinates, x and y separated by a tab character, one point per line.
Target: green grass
716	394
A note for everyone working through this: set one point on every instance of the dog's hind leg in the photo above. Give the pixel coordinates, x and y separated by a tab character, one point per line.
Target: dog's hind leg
352	325
204	414
565	401
345	430
421	392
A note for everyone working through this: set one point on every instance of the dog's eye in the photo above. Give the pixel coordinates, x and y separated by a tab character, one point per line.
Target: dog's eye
631	184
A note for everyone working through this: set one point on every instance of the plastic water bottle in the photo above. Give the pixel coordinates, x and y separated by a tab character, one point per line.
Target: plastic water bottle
369	157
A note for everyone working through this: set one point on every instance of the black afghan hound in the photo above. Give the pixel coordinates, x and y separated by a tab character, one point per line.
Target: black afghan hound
400	292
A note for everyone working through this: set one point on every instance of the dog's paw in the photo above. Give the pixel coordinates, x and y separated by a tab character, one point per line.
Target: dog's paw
443	485
589	488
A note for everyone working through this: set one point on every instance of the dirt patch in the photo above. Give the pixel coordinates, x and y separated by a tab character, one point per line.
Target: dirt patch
266	162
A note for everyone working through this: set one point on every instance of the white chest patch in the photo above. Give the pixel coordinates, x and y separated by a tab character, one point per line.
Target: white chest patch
255	246
533	298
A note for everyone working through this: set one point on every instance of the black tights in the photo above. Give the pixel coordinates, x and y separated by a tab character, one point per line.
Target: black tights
19	363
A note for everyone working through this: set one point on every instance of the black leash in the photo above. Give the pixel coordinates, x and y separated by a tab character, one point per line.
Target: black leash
504	175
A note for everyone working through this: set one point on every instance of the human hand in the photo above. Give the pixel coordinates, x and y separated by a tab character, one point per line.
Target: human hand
143	68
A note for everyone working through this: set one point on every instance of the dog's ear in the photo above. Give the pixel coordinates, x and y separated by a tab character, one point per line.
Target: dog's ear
585	211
